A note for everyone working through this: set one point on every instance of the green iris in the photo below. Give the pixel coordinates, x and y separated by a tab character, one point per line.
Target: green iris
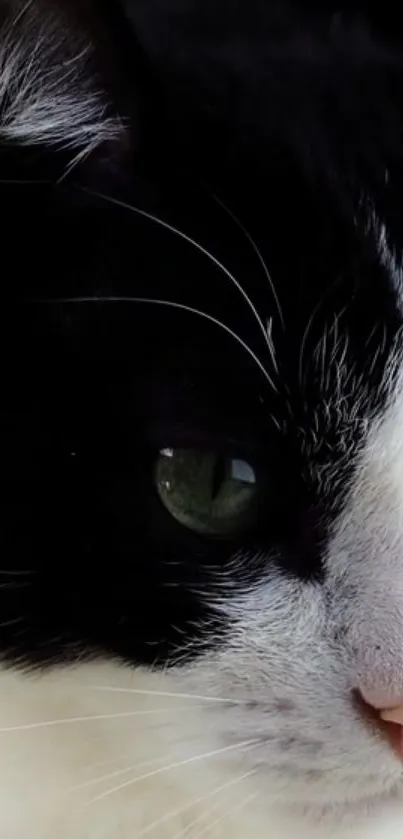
205	491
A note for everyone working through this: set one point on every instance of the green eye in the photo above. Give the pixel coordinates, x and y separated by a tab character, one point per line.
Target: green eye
206	492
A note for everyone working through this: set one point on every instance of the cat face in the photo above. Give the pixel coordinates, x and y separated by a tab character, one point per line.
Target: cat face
202	381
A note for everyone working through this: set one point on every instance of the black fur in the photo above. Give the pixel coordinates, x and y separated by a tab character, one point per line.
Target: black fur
291	115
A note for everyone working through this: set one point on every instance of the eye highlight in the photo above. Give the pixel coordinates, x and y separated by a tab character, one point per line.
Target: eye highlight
206	491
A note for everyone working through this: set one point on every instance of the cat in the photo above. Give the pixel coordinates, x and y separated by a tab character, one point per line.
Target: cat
201	575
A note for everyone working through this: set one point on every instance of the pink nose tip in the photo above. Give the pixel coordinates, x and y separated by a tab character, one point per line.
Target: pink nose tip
388	723
381	699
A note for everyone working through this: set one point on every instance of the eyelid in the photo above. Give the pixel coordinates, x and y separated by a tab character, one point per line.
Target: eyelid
243	446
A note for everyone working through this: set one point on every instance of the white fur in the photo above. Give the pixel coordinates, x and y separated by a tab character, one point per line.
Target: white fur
49	774
262	740
307	766
389	258
47	94
259	739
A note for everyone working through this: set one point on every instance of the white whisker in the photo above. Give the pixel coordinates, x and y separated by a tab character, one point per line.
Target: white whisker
179	810
257	252
270	344
102	763
20	181
95	717
242	804
169	694
12	621
175	765
23	11
186	831
116	774
304	340
12	585
190	241
173	305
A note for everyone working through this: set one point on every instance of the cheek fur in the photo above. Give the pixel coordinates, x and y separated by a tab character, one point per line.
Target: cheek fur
151	684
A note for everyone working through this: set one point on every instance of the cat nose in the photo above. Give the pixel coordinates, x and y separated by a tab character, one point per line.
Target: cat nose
381	699
374	645
388	722
380	684
377	661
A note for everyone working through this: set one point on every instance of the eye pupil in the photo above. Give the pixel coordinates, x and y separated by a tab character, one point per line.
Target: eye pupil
218	477
205	491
